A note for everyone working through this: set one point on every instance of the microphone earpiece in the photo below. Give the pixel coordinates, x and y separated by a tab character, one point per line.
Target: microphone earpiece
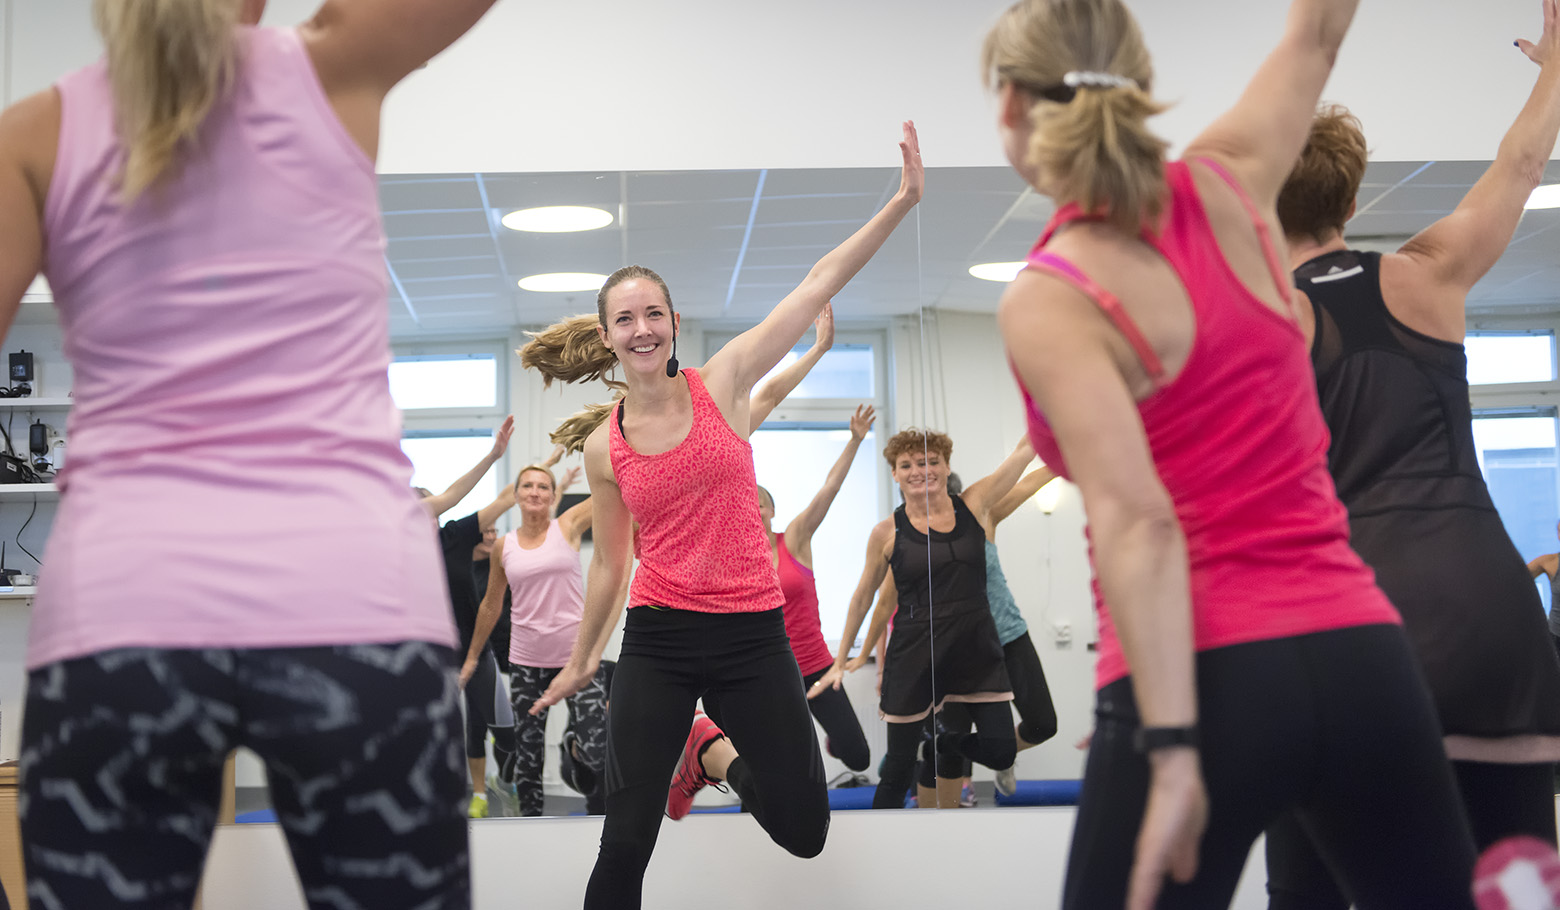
671	365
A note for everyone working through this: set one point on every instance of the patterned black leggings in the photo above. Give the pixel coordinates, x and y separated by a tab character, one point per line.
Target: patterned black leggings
587	730
122	756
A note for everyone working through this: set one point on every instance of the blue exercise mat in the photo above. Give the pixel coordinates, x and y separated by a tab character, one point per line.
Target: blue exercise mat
1043	793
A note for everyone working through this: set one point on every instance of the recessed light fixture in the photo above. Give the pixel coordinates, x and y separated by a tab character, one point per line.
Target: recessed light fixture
558	219
1545	197
997	271
1050	495
563	282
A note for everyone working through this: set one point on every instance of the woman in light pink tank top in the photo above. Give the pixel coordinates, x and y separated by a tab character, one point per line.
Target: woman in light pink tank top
539	564
237	559
1248	664
672	454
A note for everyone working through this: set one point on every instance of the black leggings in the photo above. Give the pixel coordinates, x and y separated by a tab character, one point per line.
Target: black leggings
488	711
742	666
122	756
1501	801
845	740
1336	726
1031	694
991	744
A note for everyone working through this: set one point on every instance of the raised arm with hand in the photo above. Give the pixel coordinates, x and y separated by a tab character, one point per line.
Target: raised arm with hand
611	527
1261	136
1025	488
799	533
439	503
768	396
745	359
488	515
1428	283
982	495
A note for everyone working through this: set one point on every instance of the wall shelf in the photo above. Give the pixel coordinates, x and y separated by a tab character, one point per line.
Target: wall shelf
19	593
44	492
35	404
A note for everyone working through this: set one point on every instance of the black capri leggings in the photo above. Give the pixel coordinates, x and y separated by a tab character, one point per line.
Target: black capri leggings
742	666
991	744
834	713
1336	726
122	756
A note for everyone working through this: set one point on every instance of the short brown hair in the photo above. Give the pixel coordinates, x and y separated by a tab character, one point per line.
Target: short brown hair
917	440
1316	198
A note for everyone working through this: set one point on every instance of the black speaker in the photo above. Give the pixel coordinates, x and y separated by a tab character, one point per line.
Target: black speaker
38	439
22	367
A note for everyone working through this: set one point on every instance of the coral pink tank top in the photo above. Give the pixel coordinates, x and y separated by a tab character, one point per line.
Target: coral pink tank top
702	545
236	477
547	599
1239	443
802	622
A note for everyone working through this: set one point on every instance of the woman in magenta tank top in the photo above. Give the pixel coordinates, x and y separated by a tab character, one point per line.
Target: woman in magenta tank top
1248	664
705	619
238	558
538	563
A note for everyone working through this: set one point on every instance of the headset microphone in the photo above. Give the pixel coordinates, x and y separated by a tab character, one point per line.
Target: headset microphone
671	365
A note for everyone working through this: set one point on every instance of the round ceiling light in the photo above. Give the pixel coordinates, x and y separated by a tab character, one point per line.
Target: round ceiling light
563	282
557	219
997	271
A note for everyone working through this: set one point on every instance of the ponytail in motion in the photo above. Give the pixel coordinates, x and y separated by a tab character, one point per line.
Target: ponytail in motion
169	62
1086	67
572	351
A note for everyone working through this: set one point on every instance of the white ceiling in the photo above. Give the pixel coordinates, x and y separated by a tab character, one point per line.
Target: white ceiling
457	268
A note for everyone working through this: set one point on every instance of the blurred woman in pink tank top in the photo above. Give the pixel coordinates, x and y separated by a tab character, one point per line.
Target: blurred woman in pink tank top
1248	664
203	202
705	618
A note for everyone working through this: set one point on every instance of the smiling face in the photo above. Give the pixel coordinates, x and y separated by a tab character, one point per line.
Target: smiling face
639	326
535	492
920	473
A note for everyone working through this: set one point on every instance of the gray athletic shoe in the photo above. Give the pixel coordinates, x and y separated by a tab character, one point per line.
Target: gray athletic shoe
1007	781
503	799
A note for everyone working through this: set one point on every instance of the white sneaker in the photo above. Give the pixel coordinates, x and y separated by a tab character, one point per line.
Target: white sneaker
1007	781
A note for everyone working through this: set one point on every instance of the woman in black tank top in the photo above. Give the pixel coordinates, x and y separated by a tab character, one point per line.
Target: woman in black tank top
1392	380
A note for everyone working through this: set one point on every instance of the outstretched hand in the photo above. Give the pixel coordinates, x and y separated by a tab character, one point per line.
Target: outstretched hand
913	180
828	680
570	680
861	421
824	326
501	438
1548	45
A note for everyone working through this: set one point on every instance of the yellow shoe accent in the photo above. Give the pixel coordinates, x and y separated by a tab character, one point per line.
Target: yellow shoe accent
478	807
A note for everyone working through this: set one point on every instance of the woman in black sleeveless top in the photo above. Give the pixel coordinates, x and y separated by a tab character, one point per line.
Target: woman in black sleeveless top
944	646
1392	378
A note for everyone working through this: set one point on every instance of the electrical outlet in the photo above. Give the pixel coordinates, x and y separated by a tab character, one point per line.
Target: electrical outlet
1064	635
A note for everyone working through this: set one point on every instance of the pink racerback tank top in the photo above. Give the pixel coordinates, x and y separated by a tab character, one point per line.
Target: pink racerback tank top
1240	445
547	599
802	622
701	541
236	478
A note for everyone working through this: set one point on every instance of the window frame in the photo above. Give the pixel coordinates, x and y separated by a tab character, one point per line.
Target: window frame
459	418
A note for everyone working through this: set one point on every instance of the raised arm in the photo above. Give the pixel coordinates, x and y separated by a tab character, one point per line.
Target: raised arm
373	44
576	520
878	544
569	477
439	503
745	359
488	613
798	534
1450	256
609	562
488	515
768	396
1056	339
1544	565
1025	488
1261	136
986	492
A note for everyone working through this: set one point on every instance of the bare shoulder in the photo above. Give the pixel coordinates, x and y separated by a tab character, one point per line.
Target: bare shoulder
29	139
1416	298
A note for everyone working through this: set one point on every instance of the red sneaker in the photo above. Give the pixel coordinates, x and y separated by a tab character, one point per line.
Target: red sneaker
690	777
1518	873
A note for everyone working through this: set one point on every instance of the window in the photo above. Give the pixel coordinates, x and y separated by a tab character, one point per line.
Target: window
846	371
443	381
792	463
439	458
1517	453
1507	357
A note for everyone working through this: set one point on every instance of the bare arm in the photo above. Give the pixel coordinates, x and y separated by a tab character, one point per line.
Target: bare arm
488	515
1261	136
768	396
29	131
981	495
1020	493
878	543
576	520
610	528
798	534
745	359
439	503
373	44
488	613
887	602
1544	565
1060	346
569	477
1447	258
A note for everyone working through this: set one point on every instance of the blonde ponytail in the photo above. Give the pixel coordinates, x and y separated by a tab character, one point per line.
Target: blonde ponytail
571	351
169	62
1086	67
